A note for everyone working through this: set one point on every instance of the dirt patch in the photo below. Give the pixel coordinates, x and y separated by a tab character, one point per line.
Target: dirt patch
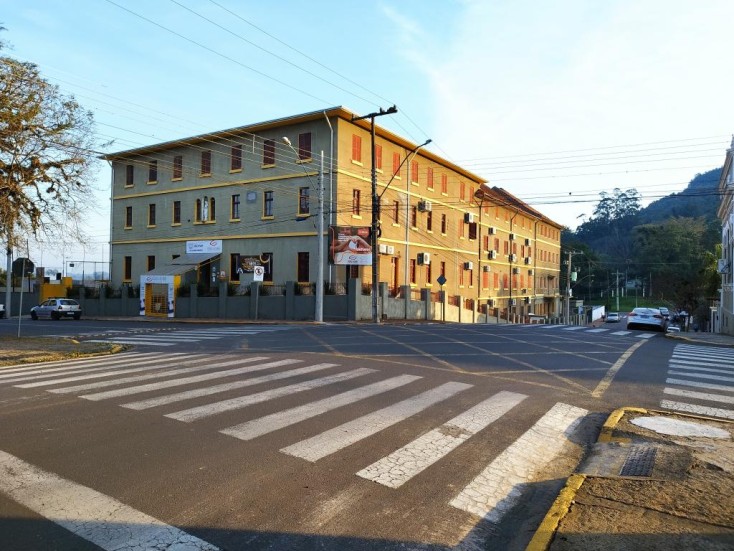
27	350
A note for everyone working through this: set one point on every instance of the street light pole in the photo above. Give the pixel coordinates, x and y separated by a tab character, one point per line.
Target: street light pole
375	226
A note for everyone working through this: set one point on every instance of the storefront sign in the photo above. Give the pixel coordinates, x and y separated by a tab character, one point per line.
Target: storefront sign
212	246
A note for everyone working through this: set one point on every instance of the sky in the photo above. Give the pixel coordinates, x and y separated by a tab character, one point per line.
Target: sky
556	102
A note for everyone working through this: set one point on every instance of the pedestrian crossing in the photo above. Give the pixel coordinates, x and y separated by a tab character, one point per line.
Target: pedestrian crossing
700	381
177	336
587	329
192	388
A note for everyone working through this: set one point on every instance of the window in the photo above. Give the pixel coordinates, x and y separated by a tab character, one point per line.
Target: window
152	172
177	212
471	278
443	269
414	172
128	217
473	230
378	157
396	212
127	270
268	153
461	276
304	146
485	280
412	271
151	215
303	201
444	184
429	178
496	280
267	262
197	211
497	244
428	274
413	217
462	191
205	210
151	262
234	213
268	204
429	220
356	203
235	158
356	148
396	164
485	239
206	162
444	224
178	167
129	176
234	265
303	272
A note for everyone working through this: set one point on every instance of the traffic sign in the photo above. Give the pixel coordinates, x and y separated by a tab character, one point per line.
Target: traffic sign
258	273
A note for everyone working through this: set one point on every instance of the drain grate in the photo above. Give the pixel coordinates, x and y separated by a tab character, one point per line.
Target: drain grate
640	461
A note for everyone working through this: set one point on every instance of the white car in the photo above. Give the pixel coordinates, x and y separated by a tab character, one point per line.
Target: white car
646	318
57	308
613	317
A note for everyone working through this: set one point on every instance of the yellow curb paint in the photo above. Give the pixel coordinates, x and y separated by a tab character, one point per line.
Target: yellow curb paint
547	529
609	425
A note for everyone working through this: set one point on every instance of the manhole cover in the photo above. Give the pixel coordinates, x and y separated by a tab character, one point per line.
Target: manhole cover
640	461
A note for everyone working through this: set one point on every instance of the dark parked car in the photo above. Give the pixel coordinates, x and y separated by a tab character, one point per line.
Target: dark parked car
646	318
57	308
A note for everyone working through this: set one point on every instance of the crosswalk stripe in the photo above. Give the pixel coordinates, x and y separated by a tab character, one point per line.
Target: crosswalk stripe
400	466
98	518
10	371
646	335
574	328
621	332
331	441
264	425
105	370
138	389
496	489
198	392
699	410
207	410
167	372
702	376
597	330
133	340
700	395
105	373
724	371
696	384
687	362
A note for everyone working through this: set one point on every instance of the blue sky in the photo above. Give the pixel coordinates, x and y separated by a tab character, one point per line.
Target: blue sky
553	101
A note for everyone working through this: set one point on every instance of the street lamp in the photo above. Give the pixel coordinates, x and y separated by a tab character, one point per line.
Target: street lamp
319	307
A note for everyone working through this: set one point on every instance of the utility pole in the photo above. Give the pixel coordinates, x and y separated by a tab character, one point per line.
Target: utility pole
319	314
375	208
617	293
568	287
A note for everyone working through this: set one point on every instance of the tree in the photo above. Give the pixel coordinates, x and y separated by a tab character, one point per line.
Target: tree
47	157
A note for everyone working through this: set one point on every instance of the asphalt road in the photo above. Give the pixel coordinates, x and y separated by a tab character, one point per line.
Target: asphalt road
345	436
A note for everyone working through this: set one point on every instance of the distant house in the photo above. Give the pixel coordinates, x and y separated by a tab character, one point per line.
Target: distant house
726	263
213	207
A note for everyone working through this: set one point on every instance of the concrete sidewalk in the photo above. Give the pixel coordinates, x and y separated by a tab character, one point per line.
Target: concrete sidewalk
655	480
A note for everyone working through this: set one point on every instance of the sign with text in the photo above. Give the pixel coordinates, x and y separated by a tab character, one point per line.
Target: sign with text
350	246
211	246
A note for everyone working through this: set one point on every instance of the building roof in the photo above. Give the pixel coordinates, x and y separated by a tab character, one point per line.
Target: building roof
340	112
504	198
182	264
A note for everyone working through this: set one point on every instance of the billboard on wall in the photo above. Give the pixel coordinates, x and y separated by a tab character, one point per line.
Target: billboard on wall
350	246
211	246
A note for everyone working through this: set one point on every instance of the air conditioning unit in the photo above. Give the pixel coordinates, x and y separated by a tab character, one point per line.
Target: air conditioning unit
383	249
492	255
425	206
492	230
491	303
390	249
528	260
485	268
468	265
424	259
468	218
513	258
516	270
526	300
512	302
527	241
531	272
512	237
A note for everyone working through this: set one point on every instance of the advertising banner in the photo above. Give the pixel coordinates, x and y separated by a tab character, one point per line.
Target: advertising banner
211	246
350	246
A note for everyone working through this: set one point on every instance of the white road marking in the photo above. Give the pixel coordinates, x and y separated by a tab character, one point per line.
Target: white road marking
207	410
499	486
269	423
167	372
400	466
604	384
723	364
696	384
333	440
621	333
646	335
198	392
100	519
711	369
698	410
699	395
696	375
138	389
134	340
97	373
11	371
597	330
574	327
